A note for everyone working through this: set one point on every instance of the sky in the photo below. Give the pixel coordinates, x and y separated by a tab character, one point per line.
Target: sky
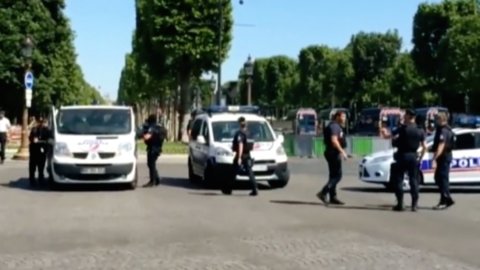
103	30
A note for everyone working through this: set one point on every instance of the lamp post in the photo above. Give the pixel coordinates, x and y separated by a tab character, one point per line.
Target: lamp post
213	84
27	50
467	103
248	69
221	3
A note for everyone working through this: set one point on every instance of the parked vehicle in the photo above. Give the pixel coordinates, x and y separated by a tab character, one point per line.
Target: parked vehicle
465	167
369	120
93	145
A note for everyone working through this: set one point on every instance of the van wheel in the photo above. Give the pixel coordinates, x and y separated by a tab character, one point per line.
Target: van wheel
134	183
191	175
209	178
278	183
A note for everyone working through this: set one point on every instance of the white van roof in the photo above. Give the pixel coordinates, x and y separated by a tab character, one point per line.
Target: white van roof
76	107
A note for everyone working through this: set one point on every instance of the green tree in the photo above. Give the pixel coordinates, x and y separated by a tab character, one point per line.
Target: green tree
430	24
325	77
310	64
373	54
59	79
183	36
406	83
461	68
259	83
281	80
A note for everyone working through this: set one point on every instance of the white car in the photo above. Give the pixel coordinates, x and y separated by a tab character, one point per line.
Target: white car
465	167
93	145
210	148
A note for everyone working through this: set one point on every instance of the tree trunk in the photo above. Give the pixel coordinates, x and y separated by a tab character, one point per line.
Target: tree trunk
184	108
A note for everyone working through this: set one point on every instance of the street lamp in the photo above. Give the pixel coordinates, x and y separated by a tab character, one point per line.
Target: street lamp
220	38
467	103
248	68
213	84
27	51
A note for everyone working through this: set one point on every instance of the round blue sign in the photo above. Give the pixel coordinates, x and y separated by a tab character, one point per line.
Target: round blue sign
29	80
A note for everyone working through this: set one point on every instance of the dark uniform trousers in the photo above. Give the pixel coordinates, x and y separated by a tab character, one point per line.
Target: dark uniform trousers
247	164
334	161
38	157
3	144
152	156
407	163
442	176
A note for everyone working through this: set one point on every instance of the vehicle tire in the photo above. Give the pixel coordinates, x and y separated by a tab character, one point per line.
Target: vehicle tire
134	183
191	175
52	185
209	177
278	183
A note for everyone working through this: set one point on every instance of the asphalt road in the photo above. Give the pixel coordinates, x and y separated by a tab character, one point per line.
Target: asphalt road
180	226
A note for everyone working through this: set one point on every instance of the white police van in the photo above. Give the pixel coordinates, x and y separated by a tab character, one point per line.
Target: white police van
464	169
93	145
210	156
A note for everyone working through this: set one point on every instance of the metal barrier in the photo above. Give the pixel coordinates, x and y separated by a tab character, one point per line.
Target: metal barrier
311	146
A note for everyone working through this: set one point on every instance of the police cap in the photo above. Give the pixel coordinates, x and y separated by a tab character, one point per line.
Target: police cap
410	112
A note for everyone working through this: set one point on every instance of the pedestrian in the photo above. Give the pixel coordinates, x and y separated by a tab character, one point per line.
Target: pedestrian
190	124
39	136
335	144
443	143
385	132
242	160
153	136
5	127
409	138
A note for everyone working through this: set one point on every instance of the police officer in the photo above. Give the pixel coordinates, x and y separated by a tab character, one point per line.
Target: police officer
39	136
442	158
242	160
407	141
153	137
335	144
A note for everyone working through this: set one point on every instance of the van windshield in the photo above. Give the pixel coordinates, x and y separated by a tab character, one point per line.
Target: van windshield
94	121
259	131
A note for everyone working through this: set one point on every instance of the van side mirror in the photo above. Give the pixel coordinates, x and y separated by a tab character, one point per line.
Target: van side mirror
201	139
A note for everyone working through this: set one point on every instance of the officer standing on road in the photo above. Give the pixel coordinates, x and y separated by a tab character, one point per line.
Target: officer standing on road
443	143
4	134
242	159
39	136
153	137
408	140
335	144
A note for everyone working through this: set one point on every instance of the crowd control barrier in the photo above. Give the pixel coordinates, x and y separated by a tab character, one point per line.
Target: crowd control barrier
313	147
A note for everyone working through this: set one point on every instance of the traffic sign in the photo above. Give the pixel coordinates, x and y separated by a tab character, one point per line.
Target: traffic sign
29	80
28	97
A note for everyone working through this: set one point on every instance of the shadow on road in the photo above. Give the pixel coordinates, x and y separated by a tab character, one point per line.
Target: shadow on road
24	184
348	207
458	190
179	182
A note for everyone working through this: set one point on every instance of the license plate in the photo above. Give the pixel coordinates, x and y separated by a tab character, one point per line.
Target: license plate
260	168
93	170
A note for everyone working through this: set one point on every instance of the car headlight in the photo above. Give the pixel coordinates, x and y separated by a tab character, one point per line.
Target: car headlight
280	150
223	152
125	148
380	159
61	149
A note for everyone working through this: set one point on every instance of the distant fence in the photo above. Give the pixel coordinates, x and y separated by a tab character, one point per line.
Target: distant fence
311	146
